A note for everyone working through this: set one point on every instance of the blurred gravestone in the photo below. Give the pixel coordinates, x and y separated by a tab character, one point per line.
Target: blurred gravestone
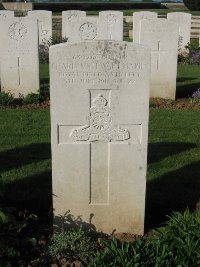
99	126
111	22
161	36
69	18
4	14
44	19
183	22
137	18
76	26
20	63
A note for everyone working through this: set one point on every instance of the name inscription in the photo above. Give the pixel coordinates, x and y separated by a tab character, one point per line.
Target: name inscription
89	70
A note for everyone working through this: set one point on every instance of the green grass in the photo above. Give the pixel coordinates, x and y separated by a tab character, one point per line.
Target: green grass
44	74
188	80
173	161
173	155
25	169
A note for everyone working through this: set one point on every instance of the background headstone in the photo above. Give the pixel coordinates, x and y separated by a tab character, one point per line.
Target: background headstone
112	22
69	18
99	126
44	18
85	29
19	62
161	36
183	21
137	18
4	14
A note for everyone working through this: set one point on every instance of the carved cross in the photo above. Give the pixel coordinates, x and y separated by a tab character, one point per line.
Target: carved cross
158	52
99	134
16	70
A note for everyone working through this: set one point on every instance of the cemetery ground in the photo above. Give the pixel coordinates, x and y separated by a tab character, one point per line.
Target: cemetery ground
172	184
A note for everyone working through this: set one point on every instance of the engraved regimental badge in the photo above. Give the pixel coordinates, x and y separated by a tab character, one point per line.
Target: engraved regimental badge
100	126
17	31
88	31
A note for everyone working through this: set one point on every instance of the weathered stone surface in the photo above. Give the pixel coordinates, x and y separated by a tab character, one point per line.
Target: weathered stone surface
44	19
161	36
99	127
19	61
4	14
183	22
85	28
79	27
111	23
137	18
69	18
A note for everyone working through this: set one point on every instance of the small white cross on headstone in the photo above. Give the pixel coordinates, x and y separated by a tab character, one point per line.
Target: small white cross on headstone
158	52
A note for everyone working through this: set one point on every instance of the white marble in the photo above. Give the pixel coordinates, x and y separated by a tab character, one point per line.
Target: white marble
4	14
137	18
99	129
44	19
161	36
69	18
19	61
183	22
77	27
111	23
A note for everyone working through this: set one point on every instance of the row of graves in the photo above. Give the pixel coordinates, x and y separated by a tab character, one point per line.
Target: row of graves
99	90
20	38
164	37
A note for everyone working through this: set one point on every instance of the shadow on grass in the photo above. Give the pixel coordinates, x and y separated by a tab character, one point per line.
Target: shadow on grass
173	191
18	157
184	79
33	193
158	151
44	81
186	90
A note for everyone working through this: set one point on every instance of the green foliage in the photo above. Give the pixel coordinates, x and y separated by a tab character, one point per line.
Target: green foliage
15	239
6	99
176	244
44	92
44	48
32	99
192	4
72	244
188	57
56	39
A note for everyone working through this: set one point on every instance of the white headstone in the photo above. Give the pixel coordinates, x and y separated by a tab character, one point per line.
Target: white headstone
85	28
4	14
69	18
137	18
19	63
111	22
183	22
161	36
99	126
44	18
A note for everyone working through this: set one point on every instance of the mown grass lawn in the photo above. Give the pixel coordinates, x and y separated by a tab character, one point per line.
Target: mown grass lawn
188	80
173	176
